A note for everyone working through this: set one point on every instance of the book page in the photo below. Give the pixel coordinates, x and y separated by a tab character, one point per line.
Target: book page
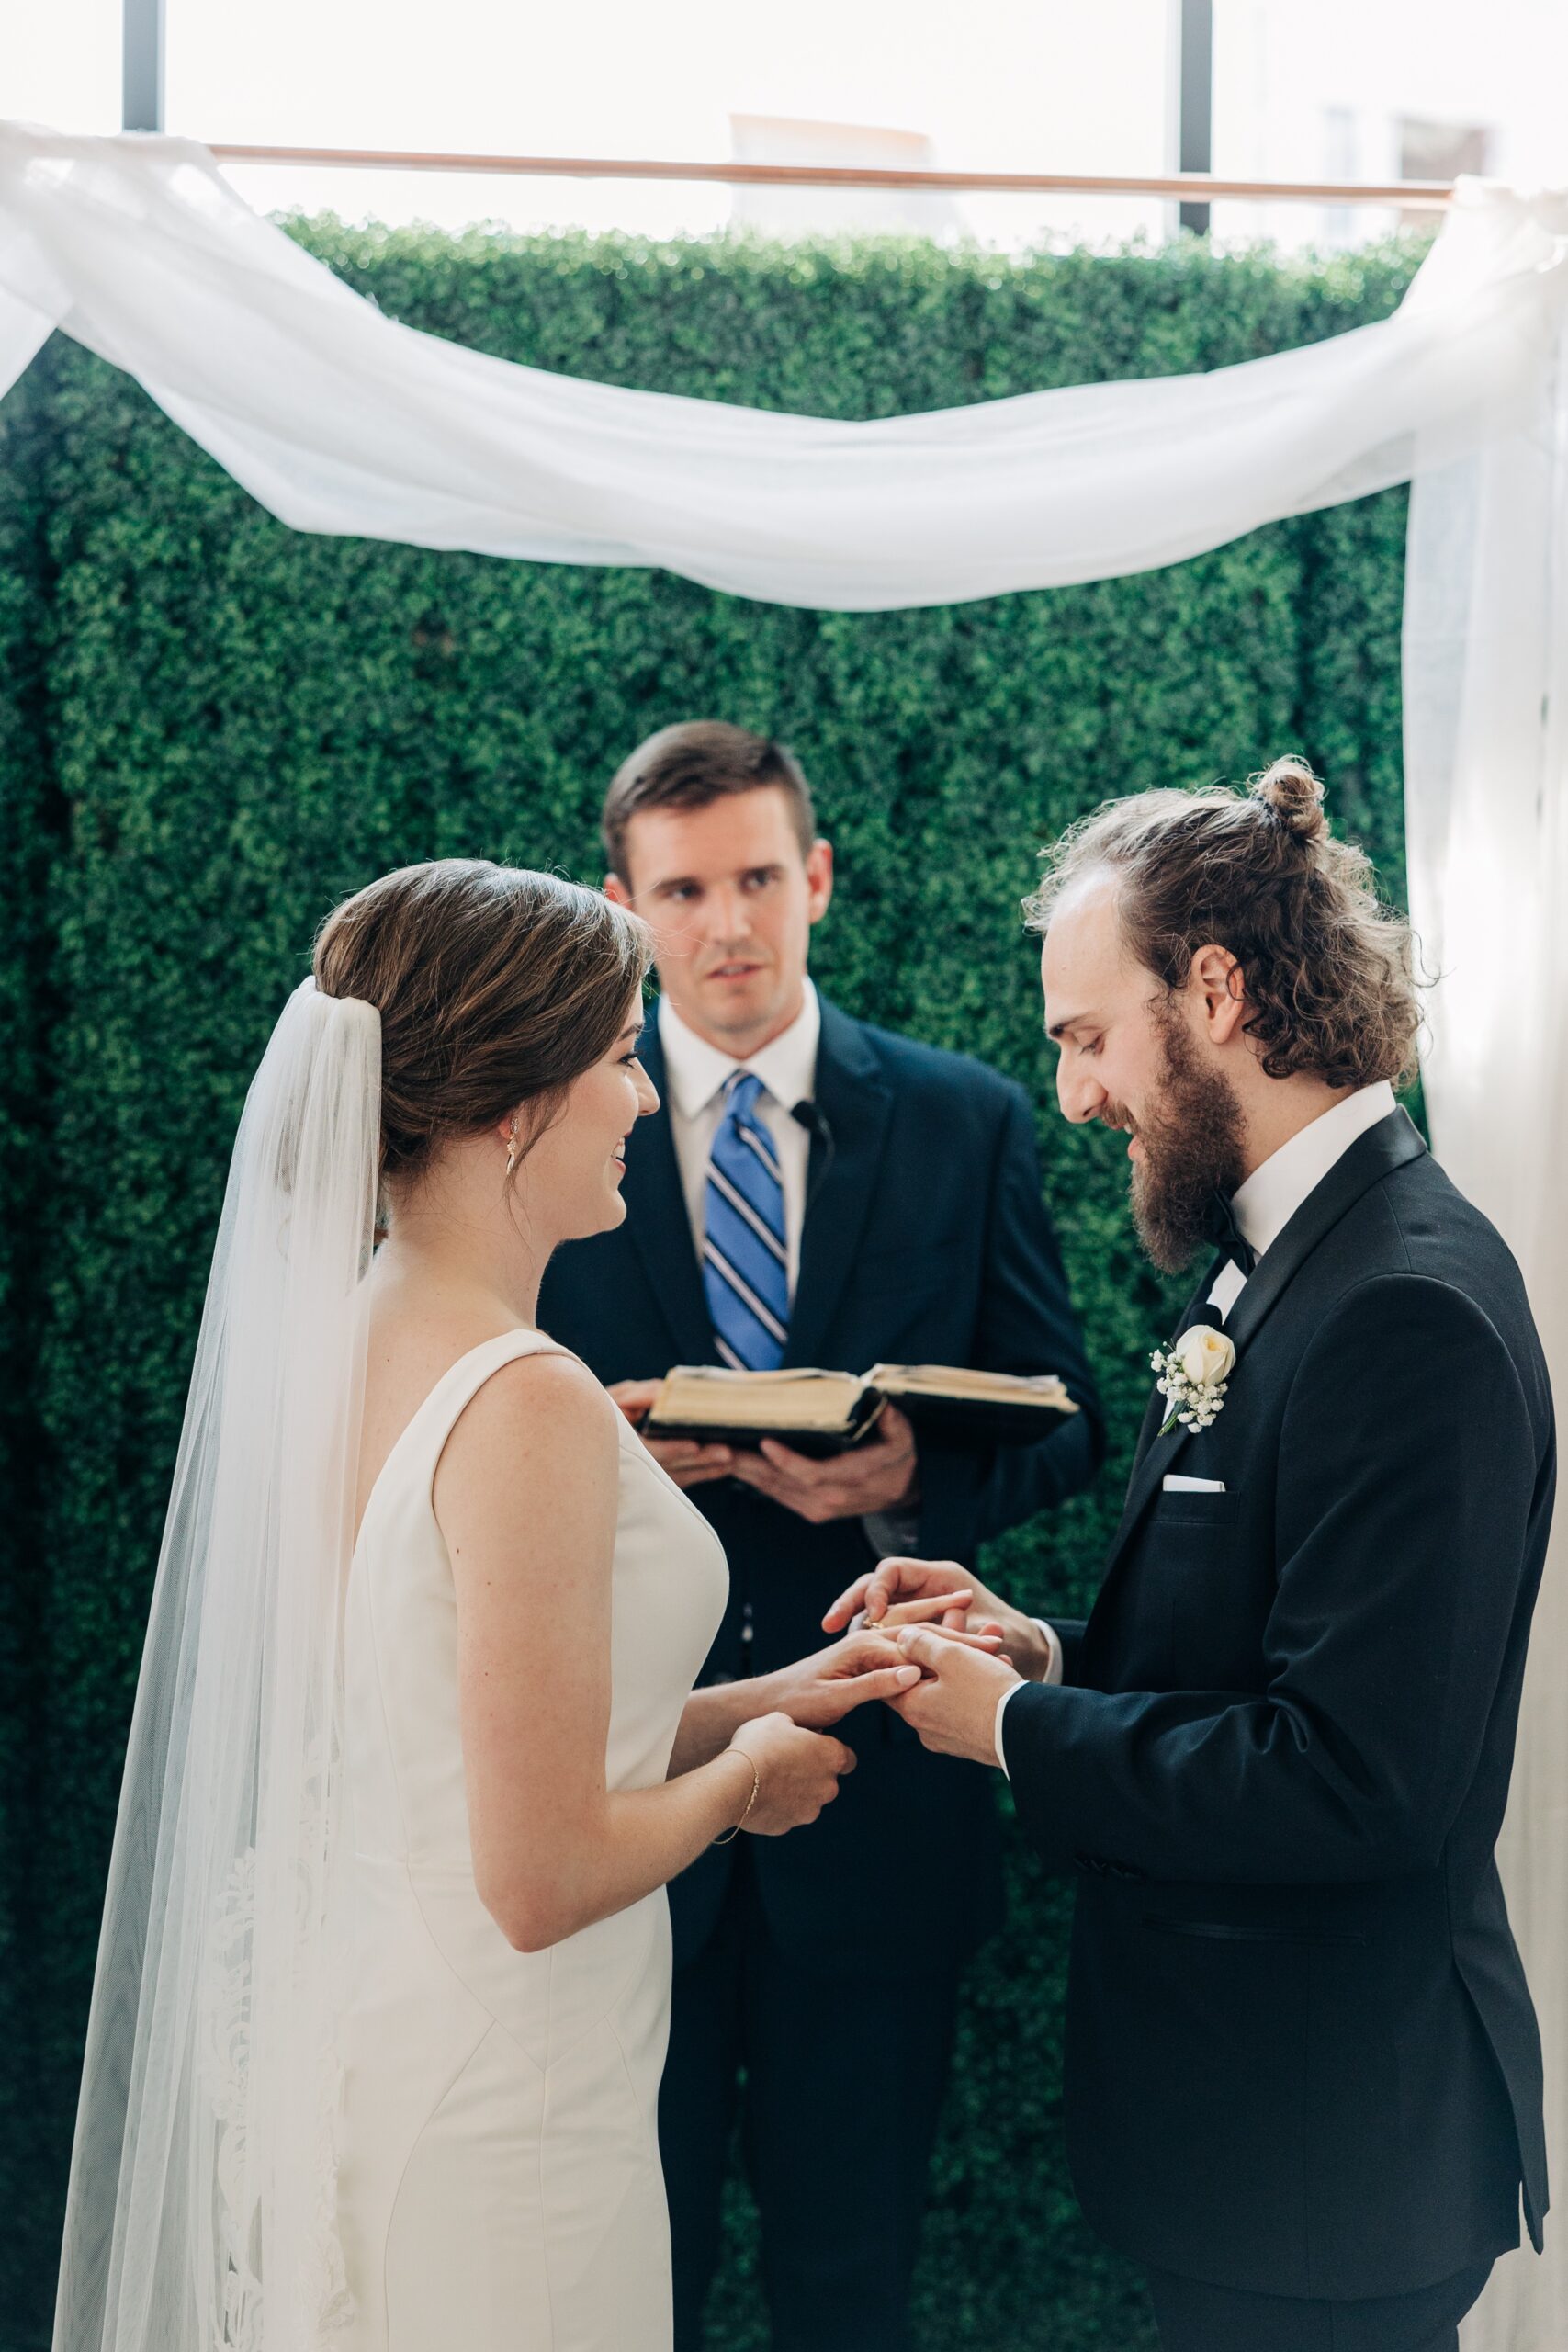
799	1398
967	1381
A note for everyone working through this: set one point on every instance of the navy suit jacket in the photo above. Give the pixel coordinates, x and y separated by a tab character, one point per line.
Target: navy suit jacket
925	1241
1301	2057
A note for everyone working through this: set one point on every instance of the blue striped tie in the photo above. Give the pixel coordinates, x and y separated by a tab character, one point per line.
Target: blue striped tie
744	1260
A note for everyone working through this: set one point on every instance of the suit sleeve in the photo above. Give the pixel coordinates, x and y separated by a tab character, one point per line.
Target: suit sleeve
1069	1632
1025	1323
1408	1472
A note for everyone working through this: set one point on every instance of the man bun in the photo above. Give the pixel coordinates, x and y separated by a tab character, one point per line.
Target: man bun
1327	968
1290	789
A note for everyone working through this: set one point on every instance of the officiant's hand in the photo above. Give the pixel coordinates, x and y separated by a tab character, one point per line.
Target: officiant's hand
902	1591
953	1705
880	1473
684	1460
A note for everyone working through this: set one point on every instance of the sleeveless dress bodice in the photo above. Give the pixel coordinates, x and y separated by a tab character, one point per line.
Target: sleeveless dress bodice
499	2186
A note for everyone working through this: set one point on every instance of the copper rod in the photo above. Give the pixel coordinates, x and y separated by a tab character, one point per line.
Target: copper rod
1187	186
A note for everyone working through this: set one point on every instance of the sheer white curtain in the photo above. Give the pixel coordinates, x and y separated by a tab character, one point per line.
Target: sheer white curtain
339	420
1486	795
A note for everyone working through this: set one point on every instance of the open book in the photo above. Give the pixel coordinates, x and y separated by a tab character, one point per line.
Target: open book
824	1412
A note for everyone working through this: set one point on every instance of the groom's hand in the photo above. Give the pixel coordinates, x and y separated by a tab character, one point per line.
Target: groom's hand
902	1592
953	1705
880	1473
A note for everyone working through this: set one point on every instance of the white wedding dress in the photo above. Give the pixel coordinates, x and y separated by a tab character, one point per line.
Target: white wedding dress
499	2186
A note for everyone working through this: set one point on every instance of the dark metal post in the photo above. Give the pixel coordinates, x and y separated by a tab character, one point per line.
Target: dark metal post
1195	102
141	99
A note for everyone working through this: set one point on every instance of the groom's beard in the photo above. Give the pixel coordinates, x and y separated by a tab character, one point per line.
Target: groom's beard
1192	1147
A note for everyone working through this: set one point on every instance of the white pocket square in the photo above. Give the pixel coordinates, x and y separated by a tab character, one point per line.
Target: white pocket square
1176	1485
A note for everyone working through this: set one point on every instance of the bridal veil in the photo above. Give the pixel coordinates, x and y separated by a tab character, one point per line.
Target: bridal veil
199	2215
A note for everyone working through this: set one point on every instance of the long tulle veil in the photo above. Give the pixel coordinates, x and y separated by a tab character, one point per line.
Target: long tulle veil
199	2214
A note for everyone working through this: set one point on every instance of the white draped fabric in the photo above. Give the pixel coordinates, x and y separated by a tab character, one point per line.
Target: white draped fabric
339	420
1486	830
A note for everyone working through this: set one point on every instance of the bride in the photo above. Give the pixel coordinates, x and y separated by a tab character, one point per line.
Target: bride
382	1991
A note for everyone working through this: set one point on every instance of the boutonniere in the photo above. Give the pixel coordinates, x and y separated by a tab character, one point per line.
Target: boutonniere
1194	1373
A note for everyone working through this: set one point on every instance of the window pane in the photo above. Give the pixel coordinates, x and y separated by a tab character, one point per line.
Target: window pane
1333	89
1002	85
60	63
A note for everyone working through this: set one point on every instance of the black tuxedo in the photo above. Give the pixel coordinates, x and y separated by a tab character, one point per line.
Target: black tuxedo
1301	2057
926	1239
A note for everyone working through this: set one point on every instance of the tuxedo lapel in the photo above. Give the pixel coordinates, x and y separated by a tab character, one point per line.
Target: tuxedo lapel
1154	1410
1373	1155
657	1220
1154	1415
840	1179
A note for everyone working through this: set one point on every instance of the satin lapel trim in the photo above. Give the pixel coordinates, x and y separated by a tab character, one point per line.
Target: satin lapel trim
1155	1413
1155	1409
857	1106
657	1220
1383	1149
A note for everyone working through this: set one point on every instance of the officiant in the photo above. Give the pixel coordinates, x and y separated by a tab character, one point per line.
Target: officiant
813	1191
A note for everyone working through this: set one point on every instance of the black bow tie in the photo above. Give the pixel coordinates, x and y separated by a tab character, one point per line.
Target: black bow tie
1221	1229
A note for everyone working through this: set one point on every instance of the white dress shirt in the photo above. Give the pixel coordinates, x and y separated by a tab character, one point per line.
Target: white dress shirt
696	1074
694	1078
1264	1206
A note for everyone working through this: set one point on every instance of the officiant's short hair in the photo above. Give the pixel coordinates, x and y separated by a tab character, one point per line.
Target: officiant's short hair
1328	968
695	762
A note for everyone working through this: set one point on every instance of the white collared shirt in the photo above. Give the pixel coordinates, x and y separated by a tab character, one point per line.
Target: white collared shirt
696	1074
1264	1206
694	1078
1269	1198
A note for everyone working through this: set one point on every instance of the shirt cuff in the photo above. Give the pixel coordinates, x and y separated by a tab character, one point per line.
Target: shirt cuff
1053	1674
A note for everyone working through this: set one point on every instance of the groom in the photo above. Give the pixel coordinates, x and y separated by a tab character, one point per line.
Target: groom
1304	2086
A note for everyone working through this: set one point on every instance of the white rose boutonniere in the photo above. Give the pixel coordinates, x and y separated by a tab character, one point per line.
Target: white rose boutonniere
1194	1373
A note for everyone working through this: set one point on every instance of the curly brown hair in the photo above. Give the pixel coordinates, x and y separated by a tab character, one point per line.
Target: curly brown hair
1328	968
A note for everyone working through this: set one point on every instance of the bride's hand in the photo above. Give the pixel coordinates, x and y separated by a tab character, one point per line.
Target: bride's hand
798	1771
820	1691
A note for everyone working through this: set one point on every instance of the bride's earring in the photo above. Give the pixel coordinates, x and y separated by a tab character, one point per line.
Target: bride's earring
512	1151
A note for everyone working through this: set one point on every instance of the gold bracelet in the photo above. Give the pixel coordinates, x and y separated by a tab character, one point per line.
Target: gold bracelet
756	1792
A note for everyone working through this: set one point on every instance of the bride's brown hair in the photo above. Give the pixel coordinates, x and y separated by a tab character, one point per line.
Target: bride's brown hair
1328	969
496	987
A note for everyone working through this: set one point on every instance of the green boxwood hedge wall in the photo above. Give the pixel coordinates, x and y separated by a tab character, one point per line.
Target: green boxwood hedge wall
211	729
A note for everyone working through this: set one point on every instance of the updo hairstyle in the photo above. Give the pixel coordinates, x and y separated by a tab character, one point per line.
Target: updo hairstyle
496	986
1328	970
